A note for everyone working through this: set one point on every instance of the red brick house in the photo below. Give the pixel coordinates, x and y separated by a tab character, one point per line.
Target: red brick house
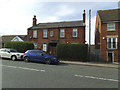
46	36
107	34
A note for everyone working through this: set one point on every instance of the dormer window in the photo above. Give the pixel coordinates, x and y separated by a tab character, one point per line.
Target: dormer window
111	27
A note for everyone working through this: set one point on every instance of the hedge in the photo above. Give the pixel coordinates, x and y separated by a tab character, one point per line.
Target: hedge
19	45
72	51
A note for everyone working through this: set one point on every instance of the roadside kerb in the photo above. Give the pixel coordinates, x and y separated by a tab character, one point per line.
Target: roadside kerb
91	64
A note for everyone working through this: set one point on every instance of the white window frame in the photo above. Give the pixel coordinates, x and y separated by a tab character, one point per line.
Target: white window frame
45	33
111	42
51	33
62	33
45	47
76	31
109	25
35	34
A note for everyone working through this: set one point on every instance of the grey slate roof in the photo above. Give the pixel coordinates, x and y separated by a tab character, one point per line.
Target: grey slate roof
6	38
58	24
109	15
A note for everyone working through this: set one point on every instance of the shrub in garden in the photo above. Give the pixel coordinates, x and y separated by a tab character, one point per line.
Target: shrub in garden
19	45
72	51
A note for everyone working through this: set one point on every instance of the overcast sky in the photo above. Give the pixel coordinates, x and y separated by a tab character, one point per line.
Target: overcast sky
16	15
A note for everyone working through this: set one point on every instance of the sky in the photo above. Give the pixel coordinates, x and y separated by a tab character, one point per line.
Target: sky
16	15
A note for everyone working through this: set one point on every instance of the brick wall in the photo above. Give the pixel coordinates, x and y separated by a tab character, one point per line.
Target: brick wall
103	46
56	36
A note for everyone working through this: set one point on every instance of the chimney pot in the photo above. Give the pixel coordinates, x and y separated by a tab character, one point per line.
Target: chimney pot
34	20
83	16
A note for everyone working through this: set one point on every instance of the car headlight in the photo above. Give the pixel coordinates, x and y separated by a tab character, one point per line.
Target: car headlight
54	58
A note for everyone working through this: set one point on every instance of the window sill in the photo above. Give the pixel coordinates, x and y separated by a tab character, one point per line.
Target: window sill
62	37
45	38
75	37
112	48
111	30
33	38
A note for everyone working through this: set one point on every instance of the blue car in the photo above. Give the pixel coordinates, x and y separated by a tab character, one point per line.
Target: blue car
39	56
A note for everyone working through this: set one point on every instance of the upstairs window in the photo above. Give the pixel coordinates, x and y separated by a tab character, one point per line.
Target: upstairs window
62	33
74	32
44	33
111	27
51	33
35	34
112	43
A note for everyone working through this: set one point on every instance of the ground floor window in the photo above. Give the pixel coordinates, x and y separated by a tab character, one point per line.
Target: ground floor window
45	47
112	43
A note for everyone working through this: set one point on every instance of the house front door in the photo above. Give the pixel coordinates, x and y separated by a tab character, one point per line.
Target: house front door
52	48
110	56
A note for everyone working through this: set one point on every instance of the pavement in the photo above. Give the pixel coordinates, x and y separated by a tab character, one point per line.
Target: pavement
96	64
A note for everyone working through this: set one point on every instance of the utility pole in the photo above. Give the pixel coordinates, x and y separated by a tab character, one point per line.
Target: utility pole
89	33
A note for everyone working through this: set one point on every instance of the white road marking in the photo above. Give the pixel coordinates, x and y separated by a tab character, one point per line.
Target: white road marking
99	78
23	68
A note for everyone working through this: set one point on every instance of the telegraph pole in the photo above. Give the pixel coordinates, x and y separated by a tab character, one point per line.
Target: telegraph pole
89	33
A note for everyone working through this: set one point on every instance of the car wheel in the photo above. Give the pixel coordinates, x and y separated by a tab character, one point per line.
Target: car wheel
26	59
13	58
48	61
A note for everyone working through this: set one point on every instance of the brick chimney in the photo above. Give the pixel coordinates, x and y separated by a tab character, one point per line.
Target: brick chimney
84	17
34	20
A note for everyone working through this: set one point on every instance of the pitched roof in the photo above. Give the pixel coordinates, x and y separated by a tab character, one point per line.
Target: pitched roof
6	38
109	15
58	24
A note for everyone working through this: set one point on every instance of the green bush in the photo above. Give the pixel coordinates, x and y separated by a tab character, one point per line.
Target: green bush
72	51
19	45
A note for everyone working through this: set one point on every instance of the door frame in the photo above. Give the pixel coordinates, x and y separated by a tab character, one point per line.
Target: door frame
51	47
112	55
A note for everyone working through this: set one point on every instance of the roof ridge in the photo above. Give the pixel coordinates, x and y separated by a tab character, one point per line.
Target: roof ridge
13	35
108	10
60	22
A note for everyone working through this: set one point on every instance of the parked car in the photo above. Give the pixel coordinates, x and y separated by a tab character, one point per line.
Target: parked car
39	56
10	53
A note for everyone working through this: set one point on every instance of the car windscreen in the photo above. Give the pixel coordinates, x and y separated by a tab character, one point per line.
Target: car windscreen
2	50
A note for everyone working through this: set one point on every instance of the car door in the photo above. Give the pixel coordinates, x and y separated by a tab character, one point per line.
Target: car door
32	56
40	56
5	53
8	53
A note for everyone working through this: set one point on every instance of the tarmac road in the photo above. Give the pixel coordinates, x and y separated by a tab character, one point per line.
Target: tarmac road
18	74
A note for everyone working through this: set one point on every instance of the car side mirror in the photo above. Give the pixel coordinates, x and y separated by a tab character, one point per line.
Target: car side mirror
42	54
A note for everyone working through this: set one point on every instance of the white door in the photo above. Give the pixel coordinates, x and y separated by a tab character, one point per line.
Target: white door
45	47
